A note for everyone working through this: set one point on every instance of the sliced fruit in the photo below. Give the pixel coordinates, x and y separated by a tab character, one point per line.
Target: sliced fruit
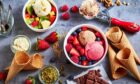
43	18
75	41
35	23
52	19
65	16
52	13
85	63
37	19
74	52
29	21
52	38
75	9
84	28
45	24
68	47
70	39
64	8
27	16
53	9
75	59
82	51
42	44
30	9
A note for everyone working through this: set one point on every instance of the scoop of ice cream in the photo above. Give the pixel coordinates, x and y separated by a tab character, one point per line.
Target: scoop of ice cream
94	51
42	7
86	36
89	8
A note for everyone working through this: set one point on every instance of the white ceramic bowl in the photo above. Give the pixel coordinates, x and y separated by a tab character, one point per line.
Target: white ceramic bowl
94	28
40	30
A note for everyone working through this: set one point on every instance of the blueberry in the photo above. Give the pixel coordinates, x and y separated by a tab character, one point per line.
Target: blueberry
71	77
98	39
80	63
78	30
80	58
52	60
83	58
74	34
90	63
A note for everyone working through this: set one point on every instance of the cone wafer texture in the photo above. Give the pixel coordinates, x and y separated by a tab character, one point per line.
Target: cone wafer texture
120	42
126	57
117	70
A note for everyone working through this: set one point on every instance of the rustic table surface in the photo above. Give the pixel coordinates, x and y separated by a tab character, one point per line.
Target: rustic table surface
128	13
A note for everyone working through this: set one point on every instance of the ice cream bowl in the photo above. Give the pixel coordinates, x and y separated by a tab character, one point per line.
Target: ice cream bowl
41	29
49	70
92	27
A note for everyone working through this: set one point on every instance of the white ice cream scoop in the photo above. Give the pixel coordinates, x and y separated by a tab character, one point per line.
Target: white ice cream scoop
42	7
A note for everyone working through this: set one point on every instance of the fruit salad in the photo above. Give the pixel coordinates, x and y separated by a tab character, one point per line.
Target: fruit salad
40	14
85	46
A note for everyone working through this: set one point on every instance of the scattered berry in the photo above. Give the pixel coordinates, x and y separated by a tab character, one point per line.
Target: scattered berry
76	42
52	38
64	8
74	52
78	30
65	16
70	39
98	39
84	28
83	58
68	47
74	9
30	80
52	60
42	45
84	63
75	59
3	75
71	77
74	34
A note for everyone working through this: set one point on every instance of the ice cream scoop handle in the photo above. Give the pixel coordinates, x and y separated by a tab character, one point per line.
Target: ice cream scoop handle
128	26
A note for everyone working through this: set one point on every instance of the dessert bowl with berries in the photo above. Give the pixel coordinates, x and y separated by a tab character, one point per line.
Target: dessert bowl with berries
40	15
85	46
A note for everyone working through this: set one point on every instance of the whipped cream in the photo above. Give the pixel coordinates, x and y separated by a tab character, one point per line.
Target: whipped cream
42	7
89	8
21	44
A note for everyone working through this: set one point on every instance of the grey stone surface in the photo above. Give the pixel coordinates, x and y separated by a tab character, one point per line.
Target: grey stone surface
129	13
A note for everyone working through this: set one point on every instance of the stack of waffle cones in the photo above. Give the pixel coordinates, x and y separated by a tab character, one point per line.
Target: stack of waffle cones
22	61
126	59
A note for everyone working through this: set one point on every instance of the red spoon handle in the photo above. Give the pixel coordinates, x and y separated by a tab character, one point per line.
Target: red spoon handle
129	26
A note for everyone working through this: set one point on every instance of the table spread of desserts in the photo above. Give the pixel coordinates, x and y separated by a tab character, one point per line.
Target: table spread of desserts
69	42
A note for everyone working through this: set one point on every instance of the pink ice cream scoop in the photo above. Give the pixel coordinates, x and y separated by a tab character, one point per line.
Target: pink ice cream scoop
94	51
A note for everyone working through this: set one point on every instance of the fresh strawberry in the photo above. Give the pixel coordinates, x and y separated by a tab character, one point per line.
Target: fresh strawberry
3	75
75	59
27	15
74	52
52	38
64	8
69	47
84	28
53	9
35	23
82	51
74	9
52	19
42	44
75	41
97	34
84	63
30	80
65	16
70	39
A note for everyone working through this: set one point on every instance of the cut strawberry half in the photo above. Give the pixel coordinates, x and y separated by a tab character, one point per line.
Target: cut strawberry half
74	52
75	59
75	41
68	47
52	19
52	38
42	44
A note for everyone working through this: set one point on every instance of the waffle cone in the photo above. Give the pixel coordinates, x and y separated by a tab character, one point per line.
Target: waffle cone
20	60
35	63
121	42
126	57
117	70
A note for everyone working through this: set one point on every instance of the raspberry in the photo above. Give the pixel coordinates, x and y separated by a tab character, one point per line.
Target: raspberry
74	9
65	16
64	8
